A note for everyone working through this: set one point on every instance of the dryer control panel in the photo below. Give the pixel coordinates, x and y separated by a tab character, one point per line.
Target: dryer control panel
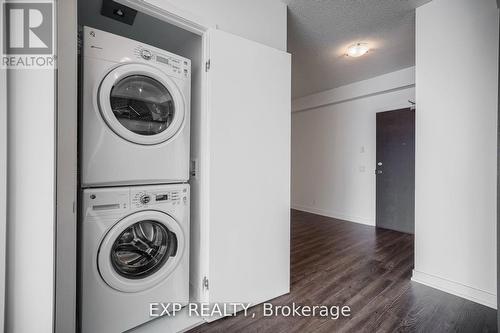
104	45
174	65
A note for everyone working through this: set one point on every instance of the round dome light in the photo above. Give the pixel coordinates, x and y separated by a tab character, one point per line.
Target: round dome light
357	50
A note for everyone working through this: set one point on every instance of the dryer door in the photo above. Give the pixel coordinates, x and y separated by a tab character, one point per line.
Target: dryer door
140	251
141	104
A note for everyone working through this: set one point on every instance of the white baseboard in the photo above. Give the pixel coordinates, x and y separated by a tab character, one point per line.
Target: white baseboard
457	289
335	215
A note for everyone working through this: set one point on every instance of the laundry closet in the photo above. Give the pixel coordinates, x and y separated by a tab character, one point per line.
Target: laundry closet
238	170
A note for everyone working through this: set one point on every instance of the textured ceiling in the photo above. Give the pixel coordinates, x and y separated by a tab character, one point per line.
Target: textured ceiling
319	32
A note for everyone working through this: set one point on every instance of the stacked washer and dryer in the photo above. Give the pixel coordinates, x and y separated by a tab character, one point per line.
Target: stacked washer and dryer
134	155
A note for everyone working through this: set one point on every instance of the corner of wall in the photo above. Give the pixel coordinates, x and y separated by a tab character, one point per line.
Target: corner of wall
335	215
455	288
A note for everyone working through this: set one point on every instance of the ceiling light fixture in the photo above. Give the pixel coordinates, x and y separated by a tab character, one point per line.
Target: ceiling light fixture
357	50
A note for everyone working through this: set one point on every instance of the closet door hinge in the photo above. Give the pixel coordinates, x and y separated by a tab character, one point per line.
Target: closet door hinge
194	168
207	66
205	283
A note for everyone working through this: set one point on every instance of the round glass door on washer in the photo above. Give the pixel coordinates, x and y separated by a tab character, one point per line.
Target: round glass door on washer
133	111
140	251
134	252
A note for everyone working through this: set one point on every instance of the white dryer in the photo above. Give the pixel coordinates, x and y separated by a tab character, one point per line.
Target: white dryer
134	251
135	112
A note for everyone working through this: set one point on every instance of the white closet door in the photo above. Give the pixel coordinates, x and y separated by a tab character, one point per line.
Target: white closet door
249	170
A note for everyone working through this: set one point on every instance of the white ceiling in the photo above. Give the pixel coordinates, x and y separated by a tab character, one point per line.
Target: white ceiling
319	32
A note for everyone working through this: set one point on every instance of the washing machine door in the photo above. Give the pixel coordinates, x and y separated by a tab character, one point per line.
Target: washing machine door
140	251
141	104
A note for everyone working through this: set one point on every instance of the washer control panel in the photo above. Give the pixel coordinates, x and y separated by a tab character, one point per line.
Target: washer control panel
106	200
115	199
174	65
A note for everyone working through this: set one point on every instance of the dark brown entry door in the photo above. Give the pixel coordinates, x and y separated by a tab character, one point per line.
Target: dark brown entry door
395	170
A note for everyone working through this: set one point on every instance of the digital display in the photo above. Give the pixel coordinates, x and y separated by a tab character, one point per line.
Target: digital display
162	60
162	197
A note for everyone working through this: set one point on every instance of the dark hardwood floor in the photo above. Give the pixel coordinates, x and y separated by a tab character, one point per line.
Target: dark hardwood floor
342	263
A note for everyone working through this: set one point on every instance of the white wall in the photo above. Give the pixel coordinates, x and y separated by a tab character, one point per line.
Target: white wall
31	169
456	147
334	145
263	21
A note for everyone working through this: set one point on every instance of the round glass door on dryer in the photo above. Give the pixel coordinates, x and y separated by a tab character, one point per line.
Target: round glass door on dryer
140	251
141	104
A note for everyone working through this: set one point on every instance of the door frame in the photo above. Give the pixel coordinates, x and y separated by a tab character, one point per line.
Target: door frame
498	188
65	274
65	308
172	15
3	182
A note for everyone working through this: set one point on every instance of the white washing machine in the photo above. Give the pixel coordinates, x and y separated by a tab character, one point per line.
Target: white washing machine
134	251
135	112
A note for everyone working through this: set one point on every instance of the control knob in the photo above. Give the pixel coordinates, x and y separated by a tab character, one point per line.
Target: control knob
145	199
146	54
